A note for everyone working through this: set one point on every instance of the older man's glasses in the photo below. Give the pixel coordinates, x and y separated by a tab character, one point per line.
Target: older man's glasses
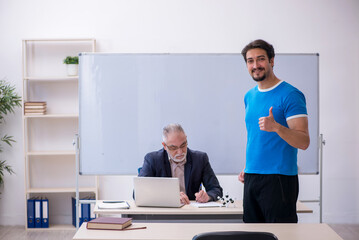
174	148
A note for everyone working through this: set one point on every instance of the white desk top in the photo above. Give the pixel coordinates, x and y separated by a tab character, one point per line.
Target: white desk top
185	210
186	231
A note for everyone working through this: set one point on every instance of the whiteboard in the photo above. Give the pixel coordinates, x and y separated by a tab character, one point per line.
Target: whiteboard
126	100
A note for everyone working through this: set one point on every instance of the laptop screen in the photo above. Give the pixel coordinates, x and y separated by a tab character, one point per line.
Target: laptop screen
157	192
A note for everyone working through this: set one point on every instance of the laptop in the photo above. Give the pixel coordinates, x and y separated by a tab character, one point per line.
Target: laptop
157	192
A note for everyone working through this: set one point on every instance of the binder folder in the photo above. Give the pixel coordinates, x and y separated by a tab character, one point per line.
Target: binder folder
74	212
38	213
45	213
73	204
85	207
31	213
81	220
92	208
85	212
88	207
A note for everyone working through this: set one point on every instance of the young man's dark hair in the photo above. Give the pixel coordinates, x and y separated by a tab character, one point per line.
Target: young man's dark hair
259	43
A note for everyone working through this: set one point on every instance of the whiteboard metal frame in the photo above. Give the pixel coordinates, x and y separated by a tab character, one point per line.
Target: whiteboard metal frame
313	169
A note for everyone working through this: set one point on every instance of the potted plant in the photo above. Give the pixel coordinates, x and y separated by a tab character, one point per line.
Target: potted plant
72	65
8	101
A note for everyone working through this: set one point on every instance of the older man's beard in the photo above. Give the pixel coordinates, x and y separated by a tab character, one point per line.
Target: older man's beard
178	160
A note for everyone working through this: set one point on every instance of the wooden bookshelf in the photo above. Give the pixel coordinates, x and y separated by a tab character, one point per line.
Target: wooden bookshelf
49	154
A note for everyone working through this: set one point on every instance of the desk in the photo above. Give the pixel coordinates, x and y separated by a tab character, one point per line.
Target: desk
185	213
186	231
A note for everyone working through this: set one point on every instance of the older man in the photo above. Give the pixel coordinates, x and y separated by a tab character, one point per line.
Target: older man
191	167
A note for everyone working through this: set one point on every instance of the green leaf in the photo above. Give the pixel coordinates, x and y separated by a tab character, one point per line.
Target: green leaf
9	100
71	60
8	139
4	167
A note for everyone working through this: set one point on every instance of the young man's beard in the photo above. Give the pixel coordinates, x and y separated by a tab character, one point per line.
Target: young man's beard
259	79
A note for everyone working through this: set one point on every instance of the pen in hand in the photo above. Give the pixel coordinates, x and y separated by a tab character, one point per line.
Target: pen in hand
202	196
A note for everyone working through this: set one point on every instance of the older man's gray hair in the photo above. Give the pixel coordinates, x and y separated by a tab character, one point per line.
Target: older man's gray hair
170	128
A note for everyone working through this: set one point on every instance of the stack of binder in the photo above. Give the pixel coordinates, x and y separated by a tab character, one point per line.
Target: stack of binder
38	212
37	108
86	213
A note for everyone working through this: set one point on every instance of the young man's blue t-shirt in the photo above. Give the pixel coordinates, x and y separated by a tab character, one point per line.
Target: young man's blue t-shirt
267	152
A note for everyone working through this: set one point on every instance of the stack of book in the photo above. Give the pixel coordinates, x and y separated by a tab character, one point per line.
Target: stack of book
38	108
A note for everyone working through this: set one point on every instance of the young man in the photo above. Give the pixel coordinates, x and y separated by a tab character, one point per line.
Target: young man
191	167
277	125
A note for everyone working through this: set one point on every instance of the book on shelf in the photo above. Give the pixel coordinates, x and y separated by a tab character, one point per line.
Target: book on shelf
35	103
35	107
34	113
35	110
109	223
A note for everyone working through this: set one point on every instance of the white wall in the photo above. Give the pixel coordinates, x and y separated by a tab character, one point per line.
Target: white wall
327	27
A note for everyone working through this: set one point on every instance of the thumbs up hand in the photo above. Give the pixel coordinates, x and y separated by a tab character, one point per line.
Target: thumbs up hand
268	123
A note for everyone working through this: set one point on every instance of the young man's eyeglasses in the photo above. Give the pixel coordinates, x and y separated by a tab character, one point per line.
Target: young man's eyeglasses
174	148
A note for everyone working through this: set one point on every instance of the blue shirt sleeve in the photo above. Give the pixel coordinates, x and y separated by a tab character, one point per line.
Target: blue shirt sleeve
295	104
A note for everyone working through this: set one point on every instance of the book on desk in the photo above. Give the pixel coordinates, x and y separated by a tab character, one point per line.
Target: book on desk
109	223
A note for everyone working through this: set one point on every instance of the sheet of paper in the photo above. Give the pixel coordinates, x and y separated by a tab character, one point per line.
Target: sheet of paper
206	205
114	205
